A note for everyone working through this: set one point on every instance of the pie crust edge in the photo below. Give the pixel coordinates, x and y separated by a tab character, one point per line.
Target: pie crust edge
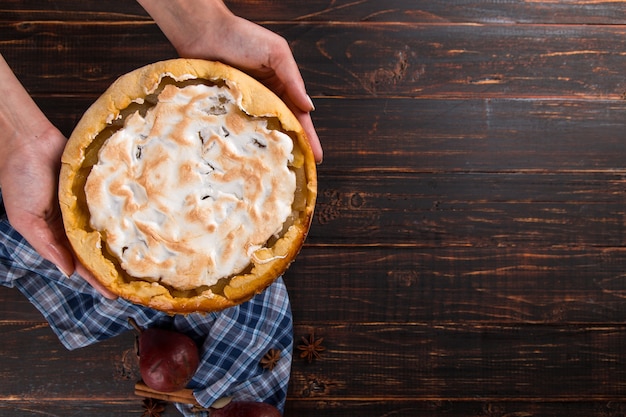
87	244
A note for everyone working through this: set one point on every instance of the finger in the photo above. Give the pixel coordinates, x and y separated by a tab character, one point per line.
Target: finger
60	256
307	124
88	276
46	243
314	140
288	73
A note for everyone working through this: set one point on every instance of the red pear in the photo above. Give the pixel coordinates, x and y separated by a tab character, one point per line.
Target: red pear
167	359
246	409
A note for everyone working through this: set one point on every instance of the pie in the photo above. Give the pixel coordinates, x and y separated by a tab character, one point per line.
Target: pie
187	186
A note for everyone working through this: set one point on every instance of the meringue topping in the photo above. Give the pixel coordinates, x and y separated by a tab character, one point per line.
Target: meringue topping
186	192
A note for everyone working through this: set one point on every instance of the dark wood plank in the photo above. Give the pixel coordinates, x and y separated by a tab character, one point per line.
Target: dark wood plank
320	11
421	135
460	60
446	408
463	361
15	308
69	57
346	60
67	10
448	11
316	406
39	376
39	370
471	210
77	408
464	284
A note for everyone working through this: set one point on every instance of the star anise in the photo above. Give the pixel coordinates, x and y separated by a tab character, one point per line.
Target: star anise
311	348
271	358
152	407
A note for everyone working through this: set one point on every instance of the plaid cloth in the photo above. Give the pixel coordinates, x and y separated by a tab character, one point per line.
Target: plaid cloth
232	342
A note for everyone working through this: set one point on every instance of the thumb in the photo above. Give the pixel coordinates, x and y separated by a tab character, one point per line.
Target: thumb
45	241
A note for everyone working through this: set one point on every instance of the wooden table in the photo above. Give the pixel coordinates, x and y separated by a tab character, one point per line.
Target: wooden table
467	254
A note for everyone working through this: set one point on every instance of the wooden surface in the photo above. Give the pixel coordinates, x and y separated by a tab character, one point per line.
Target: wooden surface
467	256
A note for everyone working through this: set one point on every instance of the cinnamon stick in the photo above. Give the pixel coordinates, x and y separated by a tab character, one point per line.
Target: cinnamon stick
184	396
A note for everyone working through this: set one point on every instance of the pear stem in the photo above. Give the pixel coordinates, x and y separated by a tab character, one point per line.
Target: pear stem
135	326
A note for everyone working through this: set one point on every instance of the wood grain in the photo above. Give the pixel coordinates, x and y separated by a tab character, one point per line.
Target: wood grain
412	60
443	12
457	285
320	11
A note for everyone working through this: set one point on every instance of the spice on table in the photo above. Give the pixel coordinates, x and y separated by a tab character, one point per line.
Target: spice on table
152	407
311	348
270	360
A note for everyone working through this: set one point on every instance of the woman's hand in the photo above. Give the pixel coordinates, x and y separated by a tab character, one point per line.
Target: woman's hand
29	170
207	29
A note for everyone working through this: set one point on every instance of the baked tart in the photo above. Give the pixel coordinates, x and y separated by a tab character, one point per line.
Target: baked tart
187	186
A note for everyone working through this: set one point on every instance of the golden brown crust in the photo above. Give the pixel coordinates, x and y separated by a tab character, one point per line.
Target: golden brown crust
81	152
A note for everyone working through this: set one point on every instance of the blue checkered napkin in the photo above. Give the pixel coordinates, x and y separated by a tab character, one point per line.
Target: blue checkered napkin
232	342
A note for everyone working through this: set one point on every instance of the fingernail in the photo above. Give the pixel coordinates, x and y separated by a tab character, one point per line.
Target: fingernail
62	271
311	103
